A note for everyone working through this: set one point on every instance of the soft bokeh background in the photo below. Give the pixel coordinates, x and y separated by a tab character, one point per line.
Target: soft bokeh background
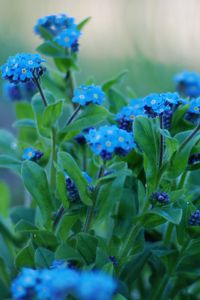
152	39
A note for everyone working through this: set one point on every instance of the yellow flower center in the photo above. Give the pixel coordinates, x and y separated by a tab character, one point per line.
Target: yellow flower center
30	154
121	139
24	71
108	144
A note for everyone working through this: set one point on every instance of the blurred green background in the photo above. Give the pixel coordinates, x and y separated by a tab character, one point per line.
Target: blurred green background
152	39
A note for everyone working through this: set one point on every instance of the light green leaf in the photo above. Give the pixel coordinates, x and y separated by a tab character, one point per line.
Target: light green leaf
52	113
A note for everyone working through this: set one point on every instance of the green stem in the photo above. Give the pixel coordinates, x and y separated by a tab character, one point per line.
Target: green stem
71	83
186	141
37	83
129	242
53	159
58	216
161	142
91	209
168	234
71	118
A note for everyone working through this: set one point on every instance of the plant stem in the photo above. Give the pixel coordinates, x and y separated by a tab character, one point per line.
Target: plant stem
182	180
71	118
53	159
90	210
37	83
168	233
58	216
161	142
71	83
186	141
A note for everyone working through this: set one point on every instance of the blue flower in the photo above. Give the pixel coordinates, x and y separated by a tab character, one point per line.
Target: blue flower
126	117
17	92
96	286
31	154
62	28
157	104
86	94
194	106
161	197
22	68
54	24
194	159
188	84
108	140
68	37
194	219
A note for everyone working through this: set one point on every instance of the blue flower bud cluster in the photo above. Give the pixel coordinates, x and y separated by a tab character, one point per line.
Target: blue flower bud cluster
86	94
194	219
80	138
161	197
72	190
60	283
62	28
21	91
108	140
194	159
32	154
22	68
188	84
126	116
193	113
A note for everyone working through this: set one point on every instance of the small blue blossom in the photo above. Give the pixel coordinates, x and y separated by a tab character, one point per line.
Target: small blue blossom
108	140
161	197
188	84
22	68
68	37
31	154
194	219
193	113
86	94
126	117
96	286
157	104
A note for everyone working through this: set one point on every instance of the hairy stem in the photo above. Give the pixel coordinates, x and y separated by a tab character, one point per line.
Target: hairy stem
91	210
74	114
53	159
37	83
161	142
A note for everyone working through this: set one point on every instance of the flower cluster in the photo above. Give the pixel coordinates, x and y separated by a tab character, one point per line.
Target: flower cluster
32	154
158	104
80	138
161	197
110	139
62	28
86	94
126	117
188	84
22	68
17	92
194	219
72	190
59	283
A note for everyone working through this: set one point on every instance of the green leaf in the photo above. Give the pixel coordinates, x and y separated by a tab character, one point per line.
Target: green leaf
44	238
61	188
179	160
115	80
45	33
52	113
65	225
24	123
9	162
82	24
86	246
5	199
116	100
67	163
35	180
52	49
92	115
25	257
147	137
171	214
43	258
25	226
8	143
68	253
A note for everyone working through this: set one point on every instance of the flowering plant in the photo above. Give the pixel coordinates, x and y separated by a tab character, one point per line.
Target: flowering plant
112	208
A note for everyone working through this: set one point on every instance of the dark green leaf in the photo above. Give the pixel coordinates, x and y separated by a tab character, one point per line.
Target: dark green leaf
52	113
43	258
82	24
86	246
